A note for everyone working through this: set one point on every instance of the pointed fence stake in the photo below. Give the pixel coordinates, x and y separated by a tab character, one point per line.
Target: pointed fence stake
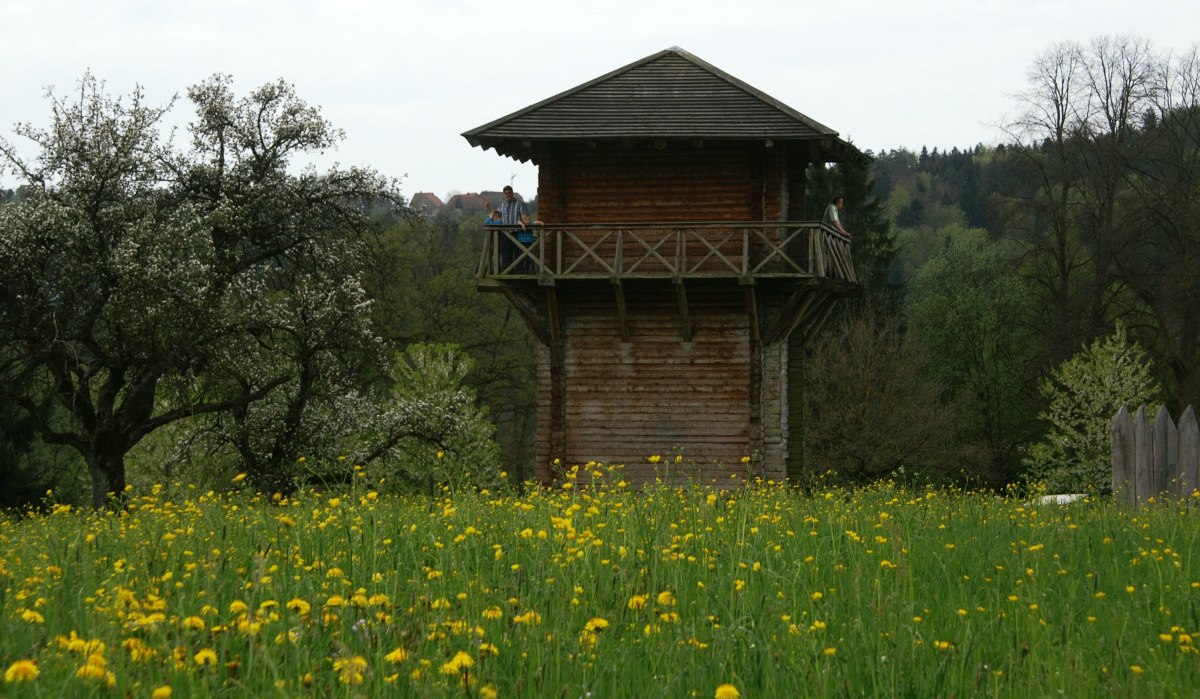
1123	483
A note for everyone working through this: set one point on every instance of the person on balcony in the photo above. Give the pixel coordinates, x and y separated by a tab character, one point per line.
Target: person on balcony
525	241
512	212
512	209
833	215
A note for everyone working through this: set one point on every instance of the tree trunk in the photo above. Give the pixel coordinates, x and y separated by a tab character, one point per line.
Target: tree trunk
106	465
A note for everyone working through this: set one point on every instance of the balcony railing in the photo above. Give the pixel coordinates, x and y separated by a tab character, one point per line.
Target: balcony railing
617	251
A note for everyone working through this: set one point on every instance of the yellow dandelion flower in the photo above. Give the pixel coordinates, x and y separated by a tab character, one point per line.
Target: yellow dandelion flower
350	670
205	656
488	691
94	669
530	617
461	661
666	598
21	671
238	479
163	692
727	691
1136	669
193	623
638	602
299	606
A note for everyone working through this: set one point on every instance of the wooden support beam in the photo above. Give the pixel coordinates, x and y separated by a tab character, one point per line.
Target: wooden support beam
529	312
755	428
812	324
685	317
558	410
552	311
752	313
793	310
622	318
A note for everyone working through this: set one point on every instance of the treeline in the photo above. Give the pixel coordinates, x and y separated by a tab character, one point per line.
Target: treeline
1014	264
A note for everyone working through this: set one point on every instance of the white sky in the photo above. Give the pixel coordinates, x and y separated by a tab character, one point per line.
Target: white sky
405	78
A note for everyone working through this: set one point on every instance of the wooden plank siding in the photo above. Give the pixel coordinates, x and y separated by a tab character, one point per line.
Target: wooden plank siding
640	183
657	394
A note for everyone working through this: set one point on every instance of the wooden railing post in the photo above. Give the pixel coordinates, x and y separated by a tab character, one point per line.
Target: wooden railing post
618	254
745	251
485	256
680	252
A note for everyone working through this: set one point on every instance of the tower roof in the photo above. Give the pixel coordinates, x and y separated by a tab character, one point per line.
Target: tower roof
668	95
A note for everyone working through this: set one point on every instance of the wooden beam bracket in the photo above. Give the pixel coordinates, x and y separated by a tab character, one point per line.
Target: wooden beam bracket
789	315
529	312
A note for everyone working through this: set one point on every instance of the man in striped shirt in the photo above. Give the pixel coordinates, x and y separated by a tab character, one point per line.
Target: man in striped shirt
512	210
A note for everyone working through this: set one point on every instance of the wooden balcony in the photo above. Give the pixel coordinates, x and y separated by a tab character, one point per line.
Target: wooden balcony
742	251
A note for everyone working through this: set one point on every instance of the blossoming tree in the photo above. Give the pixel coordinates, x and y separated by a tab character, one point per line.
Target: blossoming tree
145	283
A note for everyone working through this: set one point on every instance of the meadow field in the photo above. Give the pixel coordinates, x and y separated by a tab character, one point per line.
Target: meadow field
600	590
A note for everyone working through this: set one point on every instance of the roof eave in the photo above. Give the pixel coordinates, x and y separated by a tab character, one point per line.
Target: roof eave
831	148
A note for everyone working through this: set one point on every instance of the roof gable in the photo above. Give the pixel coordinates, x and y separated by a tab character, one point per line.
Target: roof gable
668	95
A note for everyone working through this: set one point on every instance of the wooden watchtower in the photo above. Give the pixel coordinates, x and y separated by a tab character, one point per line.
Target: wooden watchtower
672	283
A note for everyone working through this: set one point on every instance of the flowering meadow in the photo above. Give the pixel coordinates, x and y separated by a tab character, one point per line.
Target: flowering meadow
600	590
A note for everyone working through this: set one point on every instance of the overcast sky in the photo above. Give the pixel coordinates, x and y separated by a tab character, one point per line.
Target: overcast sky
405	78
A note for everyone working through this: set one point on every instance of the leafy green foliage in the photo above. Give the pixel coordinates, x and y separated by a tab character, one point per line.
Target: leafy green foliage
448	437
1084	394
968	310
422	277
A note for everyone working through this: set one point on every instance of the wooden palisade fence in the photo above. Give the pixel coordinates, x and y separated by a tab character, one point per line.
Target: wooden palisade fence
1154	459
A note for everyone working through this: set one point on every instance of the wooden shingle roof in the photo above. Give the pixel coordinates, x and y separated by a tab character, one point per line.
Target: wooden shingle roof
671	95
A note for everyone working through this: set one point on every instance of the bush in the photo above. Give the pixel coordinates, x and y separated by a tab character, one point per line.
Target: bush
1084	394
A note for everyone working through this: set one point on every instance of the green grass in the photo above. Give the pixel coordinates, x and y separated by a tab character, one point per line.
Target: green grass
875	592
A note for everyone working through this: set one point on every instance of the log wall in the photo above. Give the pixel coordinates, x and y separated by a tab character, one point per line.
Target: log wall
634	184
716	398
714	391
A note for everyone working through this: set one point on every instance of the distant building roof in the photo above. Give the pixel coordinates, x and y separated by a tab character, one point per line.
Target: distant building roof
668	95
425	201
468	202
